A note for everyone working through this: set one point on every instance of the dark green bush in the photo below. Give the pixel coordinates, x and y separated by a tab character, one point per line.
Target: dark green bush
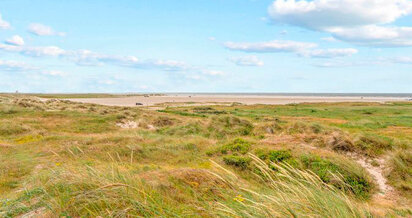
238	145
207	110
327	170
280	155
237	161
277	156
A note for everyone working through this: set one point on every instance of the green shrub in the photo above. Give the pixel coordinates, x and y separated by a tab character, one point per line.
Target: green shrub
327	170
262	154
207	110
237	161
279	155
238	145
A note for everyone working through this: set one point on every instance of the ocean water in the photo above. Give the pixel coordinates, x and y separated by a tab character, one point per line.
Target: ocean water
394	95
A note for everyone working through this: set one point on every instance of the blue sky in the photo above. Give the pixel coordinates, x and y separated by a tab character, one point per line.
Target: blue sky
206	46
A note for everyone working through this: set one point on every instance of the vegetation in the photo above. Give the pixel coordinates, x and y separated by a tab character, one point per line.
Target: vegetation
64	159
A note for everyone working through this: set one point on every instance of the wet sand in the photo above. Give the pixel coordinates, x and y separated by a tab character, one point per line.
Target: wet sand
205	99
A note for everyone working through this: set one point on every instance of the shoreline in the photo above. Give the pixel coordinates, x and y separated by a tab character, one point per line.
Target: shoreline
213	99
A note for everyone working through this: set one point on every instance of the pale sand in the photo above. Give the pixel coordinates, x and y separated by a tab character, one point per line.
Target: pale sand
182	99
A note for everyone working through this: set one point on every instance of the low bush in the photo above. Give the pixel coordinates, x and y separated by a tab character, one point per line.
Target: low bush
207	110
328	172
277	156
237	161
238	145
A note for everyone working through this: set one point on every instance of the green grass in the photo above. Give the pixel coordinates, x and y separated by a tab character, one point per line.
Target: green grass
70	159
401	173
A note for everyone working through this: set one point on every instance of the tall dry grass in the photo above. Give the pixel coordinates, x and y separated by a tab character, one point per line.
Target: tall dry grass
289	192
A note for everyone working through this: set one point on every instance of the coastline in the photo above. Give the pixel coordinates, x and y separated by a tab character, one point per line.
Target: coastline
247	99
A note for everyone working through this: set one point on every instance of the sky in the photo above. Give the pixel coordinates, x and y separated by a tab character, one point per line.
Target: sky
117	46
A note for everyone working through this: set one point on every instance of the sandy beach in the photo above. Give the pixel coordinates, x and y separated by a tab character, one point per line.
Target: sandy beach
208	99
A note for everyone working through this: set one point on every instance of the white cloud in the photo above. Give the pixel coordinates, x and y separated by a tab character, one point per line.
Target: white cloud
169	65
272	46
40	51
325	14
43	30
247	61
365	62
10	48
375	36
54	73
43	51
300	48
355	21
329	53
4	24
15	66
15	40
90	58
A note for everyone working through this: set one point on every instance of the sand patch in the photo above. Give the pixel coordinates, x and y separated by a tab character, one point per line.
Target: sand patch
377	172
127	124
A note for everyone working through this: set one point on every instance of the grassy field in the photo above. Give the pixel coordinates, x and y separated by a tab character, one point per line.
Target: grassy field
65	159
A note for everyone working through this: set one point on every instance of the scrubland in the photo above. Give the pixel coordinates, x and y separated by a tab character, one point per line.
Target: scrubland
64	159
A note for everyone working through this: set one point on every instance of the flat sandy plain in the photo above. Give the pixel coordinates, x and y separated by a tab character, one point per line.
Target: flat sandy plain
209	99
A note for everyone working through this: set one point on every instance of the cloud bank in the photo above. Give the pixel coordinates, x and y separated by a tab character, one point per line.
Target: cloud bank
304	49
356	21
